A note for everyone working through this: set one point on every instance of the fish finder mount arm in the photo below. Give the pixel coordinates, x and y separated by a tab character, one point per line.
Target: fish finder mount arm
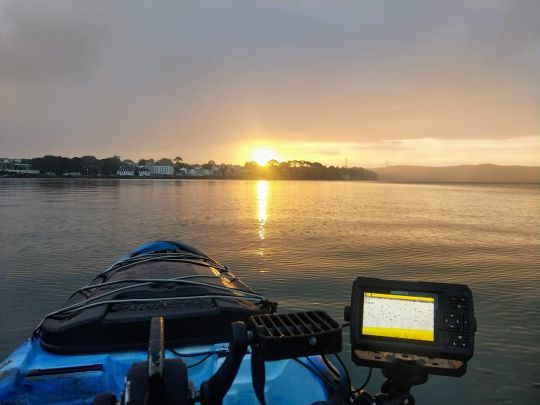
399	381
395	390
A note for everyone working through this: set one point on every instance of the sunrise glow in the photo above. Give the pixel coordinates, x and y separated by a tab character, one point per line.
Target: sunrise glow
263	155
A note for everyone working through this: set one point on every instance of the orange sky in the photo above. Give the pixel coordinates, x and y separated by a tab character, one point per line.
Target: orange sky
423	151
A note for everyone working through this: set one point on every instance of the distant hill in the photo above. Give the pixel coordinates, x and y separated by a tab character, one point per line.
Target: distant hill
484	173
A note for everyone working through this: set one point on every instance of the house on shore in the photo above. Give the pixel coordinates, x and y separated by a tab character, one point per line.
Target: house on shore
143	172
16	166
162	170
195	171
125	171
199	171
182	172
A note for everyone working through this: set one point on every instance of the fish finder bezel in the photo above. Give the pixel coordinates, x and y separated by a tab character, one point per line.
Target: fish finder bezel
454	323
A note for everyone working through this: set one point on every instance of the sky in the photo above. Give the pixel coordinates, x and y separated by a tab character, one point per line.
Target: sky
357	82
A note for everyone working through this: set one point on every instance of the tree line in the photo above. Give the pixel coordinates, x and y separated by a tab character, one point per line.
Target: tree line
90	165
87	165
273	170
305	170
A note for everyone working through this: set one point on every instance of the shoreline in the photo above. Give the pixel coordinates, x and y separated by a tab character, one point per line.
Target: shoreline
224	178
134	178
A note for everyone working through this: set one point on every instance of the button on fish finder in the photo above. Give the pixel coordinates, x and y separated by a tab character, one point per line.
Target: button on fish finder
466	322
459	337
452	320
459	343
456	305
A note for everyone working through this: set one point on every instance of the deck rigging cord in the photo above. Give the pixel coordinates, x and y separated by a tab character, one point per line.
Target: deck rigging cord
142	282
316	372
356	391
175	280
206	355
174	257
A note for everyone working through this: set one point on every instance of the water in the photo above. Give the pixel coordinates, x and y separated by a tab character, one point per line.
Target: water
300	243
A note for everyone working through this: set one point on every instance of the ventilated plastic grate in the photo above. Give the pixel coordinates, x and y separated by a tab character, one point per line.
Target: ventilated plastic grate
280	336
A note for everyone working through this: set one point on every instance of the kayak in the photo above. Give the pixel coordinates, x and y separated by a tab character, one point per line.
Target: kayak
169	324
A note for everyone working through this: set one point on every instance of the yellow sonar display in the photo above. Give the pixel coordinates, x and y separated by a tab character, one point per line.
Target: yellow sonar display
399	316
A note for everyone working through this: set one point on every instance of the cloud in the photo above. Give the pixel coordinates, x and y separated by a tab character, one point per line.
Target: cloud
107	77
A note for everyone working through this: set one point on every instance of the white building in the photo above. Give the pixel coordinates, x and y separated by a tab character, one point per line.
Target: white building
126	171
16	166
182	172
199	171
195	171
162	170
143	171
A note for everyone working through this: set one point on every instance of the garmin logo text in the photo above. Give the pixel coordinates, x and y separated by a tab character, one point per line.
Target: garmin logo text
399	292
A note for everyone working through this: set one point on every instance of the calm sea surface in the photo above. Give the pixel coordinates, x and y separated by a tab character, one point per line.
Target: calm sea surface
300	243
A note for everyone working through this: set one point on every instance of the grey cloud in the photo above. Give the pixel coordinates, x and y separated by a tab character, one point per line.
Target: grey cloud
100	75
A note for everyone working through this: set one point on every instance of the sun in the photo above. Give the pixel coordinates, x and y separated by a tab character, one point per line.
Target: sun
263	155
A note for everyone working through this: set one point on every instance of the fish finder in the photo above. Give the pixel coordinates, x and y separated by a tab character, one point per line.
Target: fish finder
428	327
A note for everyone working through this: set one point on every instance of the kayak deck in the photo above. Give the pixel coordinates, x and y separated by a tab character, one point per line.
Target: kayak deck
32	375
91	345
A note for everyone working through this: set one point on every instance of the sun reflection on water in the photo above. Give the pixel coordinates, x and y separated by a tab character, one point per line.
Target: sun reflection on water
262	201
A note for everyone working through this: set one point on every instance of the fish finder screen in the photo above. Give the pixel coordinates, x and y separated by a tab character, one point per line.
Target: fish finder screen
399	316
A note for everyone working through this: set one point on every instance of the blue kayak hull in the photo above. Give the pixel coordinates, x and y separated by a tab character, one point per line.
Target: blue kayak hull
33	376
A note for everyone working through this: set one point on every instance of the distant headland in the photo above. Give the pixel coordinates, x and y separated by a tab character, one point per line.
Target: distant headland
483	173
